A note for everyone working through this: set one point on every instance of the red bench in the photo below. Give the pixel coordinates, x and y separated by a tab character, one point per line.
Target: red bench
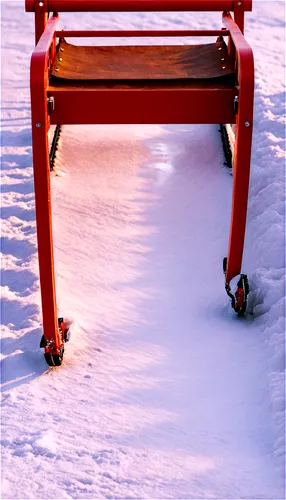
211	83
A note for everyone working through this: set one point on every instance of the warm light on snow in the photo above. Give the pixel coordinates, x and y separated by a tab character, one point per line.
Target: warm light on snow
164	392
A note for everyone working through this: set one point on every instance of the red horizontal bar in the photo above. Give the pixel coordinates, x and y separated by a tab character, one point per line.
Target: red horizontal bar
142	105
138	33
134	5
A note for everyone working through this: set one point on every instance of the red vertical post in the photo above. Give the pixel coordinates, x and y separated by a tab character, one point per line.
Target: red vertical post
40	128
239	14
239	7
241	172
242	155
41	19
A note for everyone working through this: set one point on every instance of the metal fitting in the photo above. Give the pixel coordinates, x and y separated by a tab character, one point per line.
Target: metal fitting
247	124
41	6
235	105
51	103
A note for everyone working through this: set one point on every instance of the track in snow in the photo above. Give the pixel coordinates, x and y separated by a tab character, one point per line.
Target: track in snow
166	382
163	392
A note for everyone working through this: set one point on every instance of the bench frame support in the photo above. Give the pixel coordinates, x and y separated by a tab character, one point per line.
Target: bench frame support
221	111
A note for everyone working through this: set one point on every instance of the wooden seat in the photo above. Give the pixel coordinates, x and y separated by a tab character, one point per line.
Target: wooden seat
172	62
142	84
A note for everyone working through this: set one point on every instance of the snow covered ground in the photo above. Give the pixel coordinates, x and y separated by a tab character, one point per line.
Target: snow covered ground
163	393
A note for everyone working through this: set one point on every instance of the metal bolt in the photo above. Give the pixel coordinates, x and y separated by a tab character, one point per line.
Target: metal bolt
41	4
246	124
60	59
51	103
238	3
38	125
57	69
62	50
223	58
223	67
219	48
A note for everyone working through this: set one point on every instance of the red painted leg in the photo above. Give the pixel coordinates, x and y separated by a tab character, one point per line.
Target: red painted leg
241	167
241	172
40	125
41	20
53	338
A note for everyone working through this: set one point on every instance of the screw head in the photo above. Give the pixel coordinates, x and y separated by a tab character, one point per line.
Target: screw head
238	3
38	125
246	124
41	4
60	59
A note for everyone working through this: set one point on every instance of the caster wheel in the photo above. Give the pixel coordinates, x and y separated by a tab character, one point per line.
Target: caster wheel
241	295
224	265
54	359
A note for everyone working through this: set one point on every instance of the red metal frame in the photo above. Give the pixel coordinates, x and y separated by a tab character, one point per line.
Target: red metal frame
242	156
137	103
139	33
150	105
40	128
136	5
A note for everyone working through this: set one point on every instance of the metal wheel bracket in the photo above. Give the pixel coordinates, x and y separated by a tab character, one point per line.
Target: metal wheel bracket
239	298
52	354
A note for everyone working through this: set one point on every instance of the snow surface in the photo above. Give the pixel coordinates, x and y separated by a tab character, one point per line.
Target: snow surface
163	393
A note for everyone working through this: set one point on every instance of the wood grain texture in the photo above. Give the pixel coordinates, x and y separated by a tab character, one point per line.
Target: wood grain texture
173	62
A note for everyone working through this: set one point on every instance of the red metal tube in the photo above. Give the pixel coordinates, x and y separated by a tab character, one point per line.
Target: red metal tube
138	33
41	20
247	5
134	5
244	125
40	127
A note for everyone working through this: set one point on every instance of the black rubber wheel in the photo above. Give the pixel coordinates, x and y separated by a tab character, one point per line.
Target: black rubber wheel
224	264
54	359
